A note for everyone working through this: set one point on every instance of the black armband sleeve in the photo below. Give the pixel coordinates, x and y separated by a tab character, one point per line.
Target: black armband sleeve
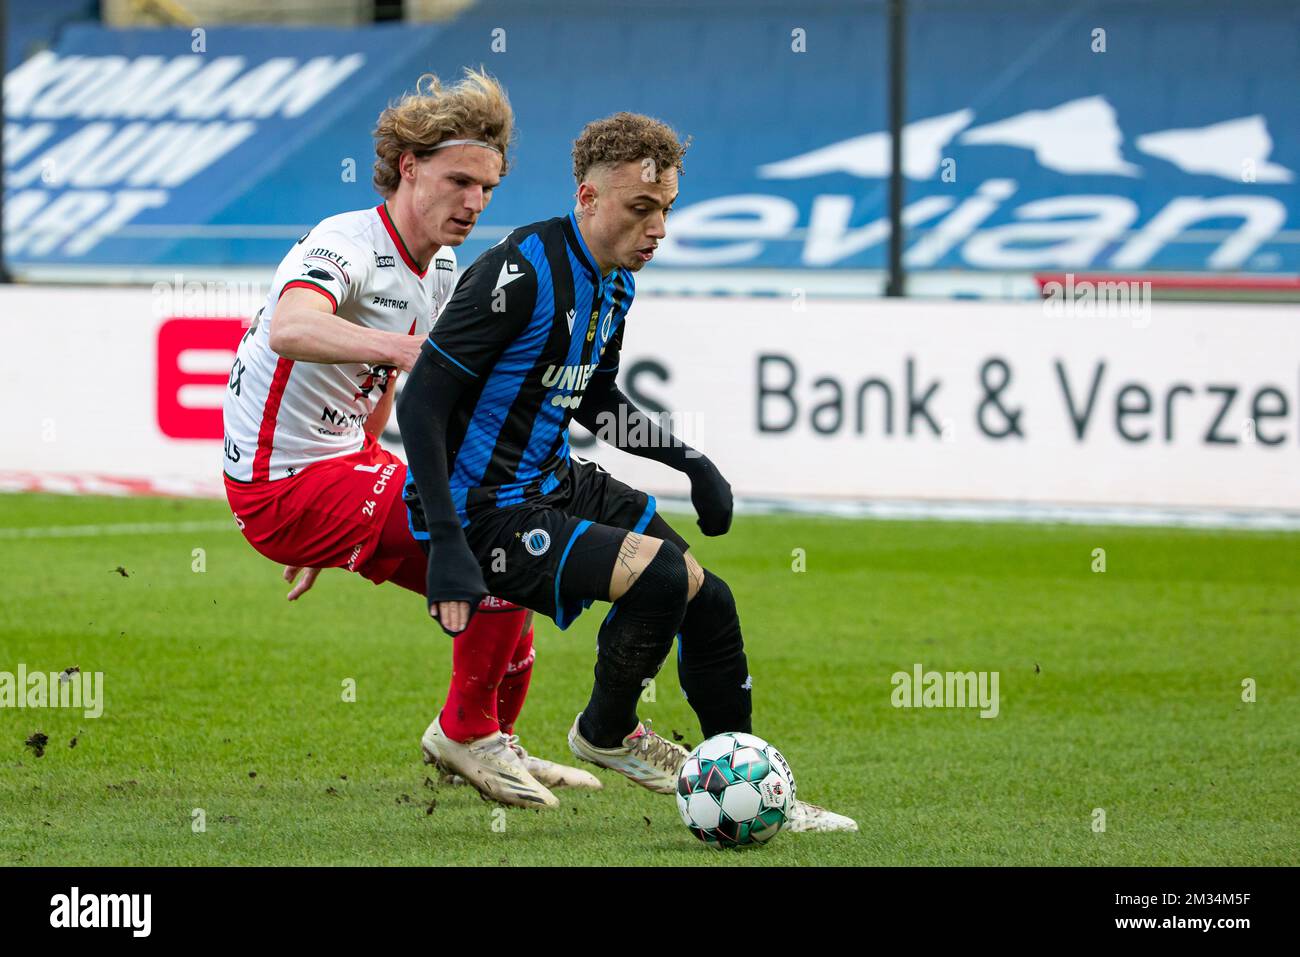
424	409
423	412
612	417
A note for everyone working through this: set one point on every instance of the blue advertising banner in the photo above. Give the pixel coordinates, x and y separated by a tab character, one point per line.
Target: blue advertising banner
1102	136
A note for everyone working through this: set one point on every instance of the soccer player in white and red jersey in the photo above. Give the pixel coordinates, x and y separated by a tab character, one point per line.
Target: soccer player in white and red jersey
312	387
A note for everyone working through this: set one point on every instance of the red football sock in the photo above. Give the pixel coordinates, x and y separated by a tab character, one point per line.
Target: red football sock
514	686
479	657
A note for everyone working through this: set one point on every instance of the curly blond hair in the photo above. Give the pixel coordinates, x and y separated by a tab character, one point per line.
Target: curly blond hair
475	108
628	137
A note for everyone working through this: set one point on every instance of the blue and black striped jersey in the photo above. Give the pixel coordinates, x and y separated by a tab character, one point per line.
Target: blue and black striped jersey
528	326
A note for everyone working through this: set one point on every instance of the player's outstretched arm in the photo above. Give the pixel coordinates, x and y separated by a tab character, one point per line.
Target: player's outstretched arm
453	575
304	328
614	419
491	305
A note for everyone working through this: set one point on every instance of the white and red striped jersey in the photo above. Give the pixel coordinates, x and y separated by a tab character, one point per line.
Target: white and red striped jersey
282	415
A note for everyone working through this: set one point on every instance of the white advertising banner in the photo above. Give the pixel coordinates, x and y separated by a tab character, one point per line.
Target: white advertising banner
1169	404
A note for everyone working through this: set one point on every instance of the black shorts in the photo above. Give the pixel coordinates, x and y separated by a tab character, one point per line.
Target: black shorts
522	549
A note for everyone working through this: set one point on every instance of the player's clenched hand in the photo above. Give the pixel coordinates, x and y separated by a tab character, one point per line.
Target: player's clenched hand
452	615
406	351
711	496
453	582
309	579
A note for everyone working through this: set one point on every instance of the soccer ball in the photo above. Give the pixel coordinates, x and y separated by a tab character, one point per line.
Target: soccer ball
735	790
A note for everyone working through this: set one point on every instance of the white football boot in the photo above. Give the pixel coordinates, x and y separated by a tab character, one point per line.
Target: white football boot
552	773
489	764
810	817
645	758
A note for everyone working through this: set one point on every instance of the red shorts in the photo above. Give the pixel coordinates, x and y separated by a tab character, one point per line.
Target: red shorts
345	512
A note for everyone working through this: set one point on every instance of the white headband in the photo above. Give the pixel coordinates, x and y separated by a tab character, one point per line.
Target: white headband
445	143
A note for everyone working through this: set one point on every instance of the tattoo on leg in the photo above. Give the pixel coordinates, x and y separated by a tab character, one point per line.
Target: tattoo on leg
626	552
696	571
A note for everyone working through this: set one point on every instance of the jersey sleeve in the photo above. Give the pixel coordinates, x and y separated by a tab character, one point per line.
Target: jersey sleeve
488	310
609	357
444	281
334	265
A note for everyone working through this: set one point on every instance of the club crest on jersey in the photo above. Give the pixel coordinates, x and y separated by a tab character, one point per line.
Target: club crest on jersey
537	541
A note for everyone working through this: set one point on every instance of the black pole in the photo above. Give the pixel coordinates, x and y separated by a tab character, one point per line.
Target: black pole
897	34
4	42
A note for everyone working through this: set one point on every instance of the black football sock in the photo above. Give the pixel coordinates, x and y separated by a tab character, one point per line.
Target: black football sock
711	666
632	645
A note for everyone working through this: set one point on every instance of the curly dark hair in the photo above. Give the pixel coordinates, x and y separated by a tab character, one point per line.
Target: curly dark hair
628	137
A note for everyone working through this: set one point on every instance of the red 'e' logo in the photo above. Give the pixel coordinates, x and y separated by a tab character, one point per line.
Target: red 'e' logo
184	344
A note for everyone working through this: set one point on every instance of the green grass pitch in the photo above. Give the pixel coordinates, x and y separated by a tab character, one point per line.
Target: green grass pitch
1120	690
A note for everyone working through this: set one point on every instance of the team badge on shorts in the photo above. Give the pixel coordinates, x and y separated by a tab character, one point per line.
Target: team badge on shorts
537	541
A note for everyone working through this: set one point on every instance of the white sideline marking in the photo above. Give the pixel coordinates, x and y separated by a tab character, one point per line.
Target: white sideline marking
117	528
886	509
898	510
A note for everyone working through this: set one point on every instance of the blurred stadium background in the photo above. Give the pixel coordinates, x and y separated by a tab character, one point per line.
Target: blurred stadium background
1069	174
1088	315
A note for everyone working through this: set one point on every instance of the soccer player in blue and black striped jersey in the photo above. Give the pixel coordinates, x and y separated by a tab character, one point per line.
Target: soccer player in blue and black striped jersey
530	341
